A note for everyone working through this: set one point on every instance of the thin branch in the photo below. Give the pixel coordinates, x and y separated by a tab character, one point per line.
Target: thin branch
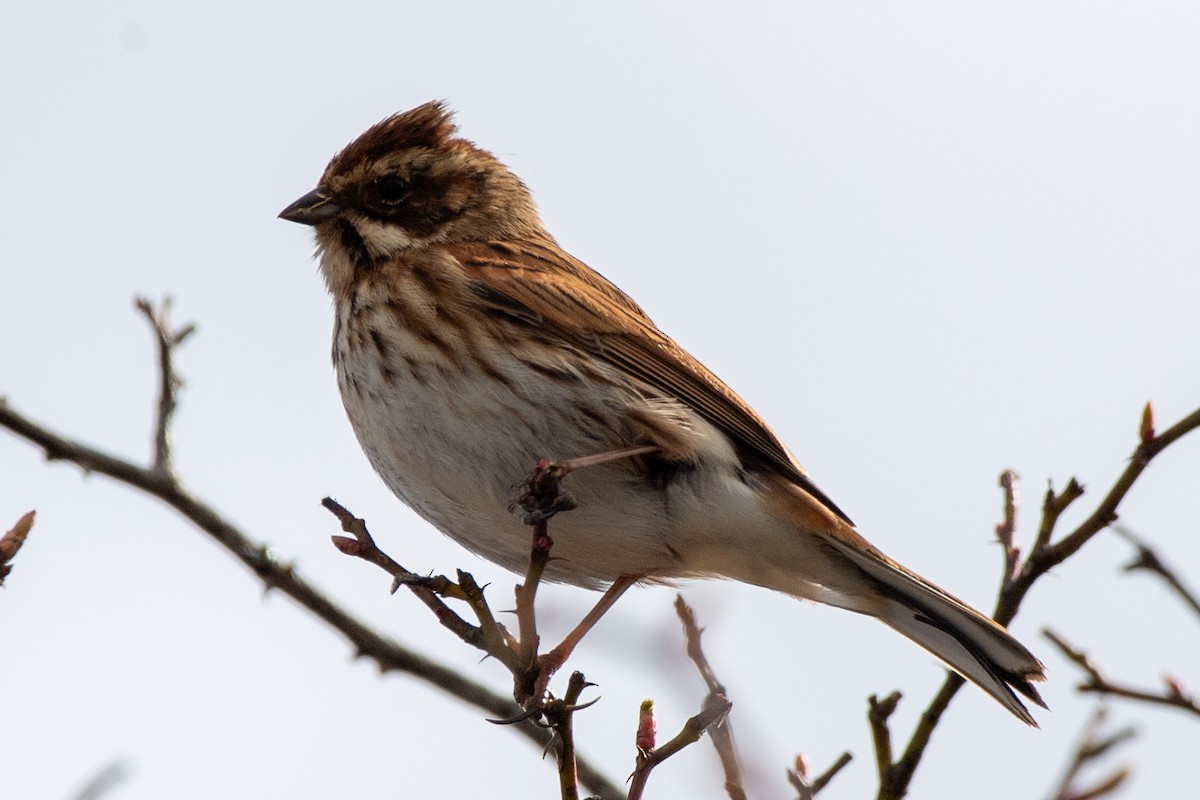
722	735
112	775
1043	557
1053	506
1006	529
169	382
1106	512
161	483
273	573
878	714
808	789
526	593
1092	747
487	637
531	673
713	712
1148	559
1174	696
560	716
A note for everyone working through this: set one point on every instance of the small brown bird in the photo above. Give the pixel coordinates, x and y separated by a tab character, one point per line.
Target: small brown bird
468	345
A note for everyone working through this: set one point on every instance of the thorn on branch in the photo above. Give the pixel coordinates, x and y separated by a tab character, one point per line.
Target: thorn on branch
560	717
529	713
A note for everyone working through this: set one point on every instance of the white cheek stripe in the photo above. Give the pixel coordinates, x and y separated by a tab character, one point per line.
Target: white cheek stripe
383	240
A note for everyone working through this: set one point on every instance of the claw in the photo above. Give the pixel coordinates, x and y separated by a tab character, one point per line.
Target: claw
536	711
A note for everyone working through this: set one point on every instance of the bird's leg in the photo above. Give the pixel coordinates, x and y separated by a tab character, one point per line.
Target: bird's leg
559	655
551	662
540	498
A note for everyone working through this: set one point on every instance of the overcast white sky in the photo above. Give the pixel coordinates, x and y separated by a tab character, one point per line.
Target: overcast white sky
927	241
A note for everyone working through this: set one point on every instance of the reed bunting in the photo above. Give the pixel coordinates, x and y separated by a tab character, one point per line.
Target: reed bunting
468	345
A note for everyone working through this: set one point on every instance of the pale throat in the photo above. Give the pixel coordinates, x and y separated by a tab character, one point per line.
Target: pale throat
383	239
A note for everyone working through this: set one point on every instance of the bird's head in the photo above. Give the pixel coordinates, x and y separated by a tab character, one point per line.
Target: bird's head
409	182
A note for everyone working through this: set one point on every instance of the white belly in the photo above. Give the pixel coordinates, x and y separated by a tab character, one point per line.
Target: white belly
454	444
454	438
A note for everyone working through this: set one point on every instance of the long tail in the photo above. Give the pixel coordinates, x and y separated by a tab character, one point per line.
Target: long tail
974	646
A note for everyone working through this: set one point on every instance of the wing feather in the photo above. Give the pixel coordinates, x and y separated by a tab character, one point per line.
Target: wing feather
538	284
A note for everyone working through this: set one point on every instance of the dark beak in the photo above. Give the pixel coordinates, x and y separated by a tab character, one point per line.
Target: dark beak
311	209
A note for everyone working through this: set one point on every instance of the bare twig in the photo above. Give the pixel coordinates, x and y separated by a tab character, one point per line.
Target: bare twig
722	735
1105	512
11	542
1092	747
159	481
526	593
487	637
808	789
257	557
560	716
1148	559
878	714
713	712
104	781
1006	529
169	382
1043	556
1173	696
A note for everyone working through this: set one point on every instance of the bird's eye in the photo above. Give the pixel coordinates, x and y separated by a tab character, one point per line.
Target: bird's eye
391	188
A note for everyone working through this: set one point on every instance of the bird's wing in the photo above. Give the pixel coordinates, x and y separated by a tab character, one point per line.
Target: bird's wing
541	285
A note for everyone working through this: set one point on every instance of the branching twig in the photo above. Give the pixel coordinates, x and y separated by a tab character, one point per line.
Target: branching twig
722	735
1149	560
1105	512
540	499
1174	696
159	481
1043	556
808	789
487	637
878	714
169	382
1092	747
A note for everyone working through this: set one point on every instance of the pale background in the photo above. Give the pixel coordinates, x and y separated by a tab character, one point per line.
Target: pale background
927	241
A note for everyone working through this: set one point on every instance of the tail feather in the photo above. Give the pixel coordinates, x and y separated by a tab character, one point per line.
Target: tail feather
977	648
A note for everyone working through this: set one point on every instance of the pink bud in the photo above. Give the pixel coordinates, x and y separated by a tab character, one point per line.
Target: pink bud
647	726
